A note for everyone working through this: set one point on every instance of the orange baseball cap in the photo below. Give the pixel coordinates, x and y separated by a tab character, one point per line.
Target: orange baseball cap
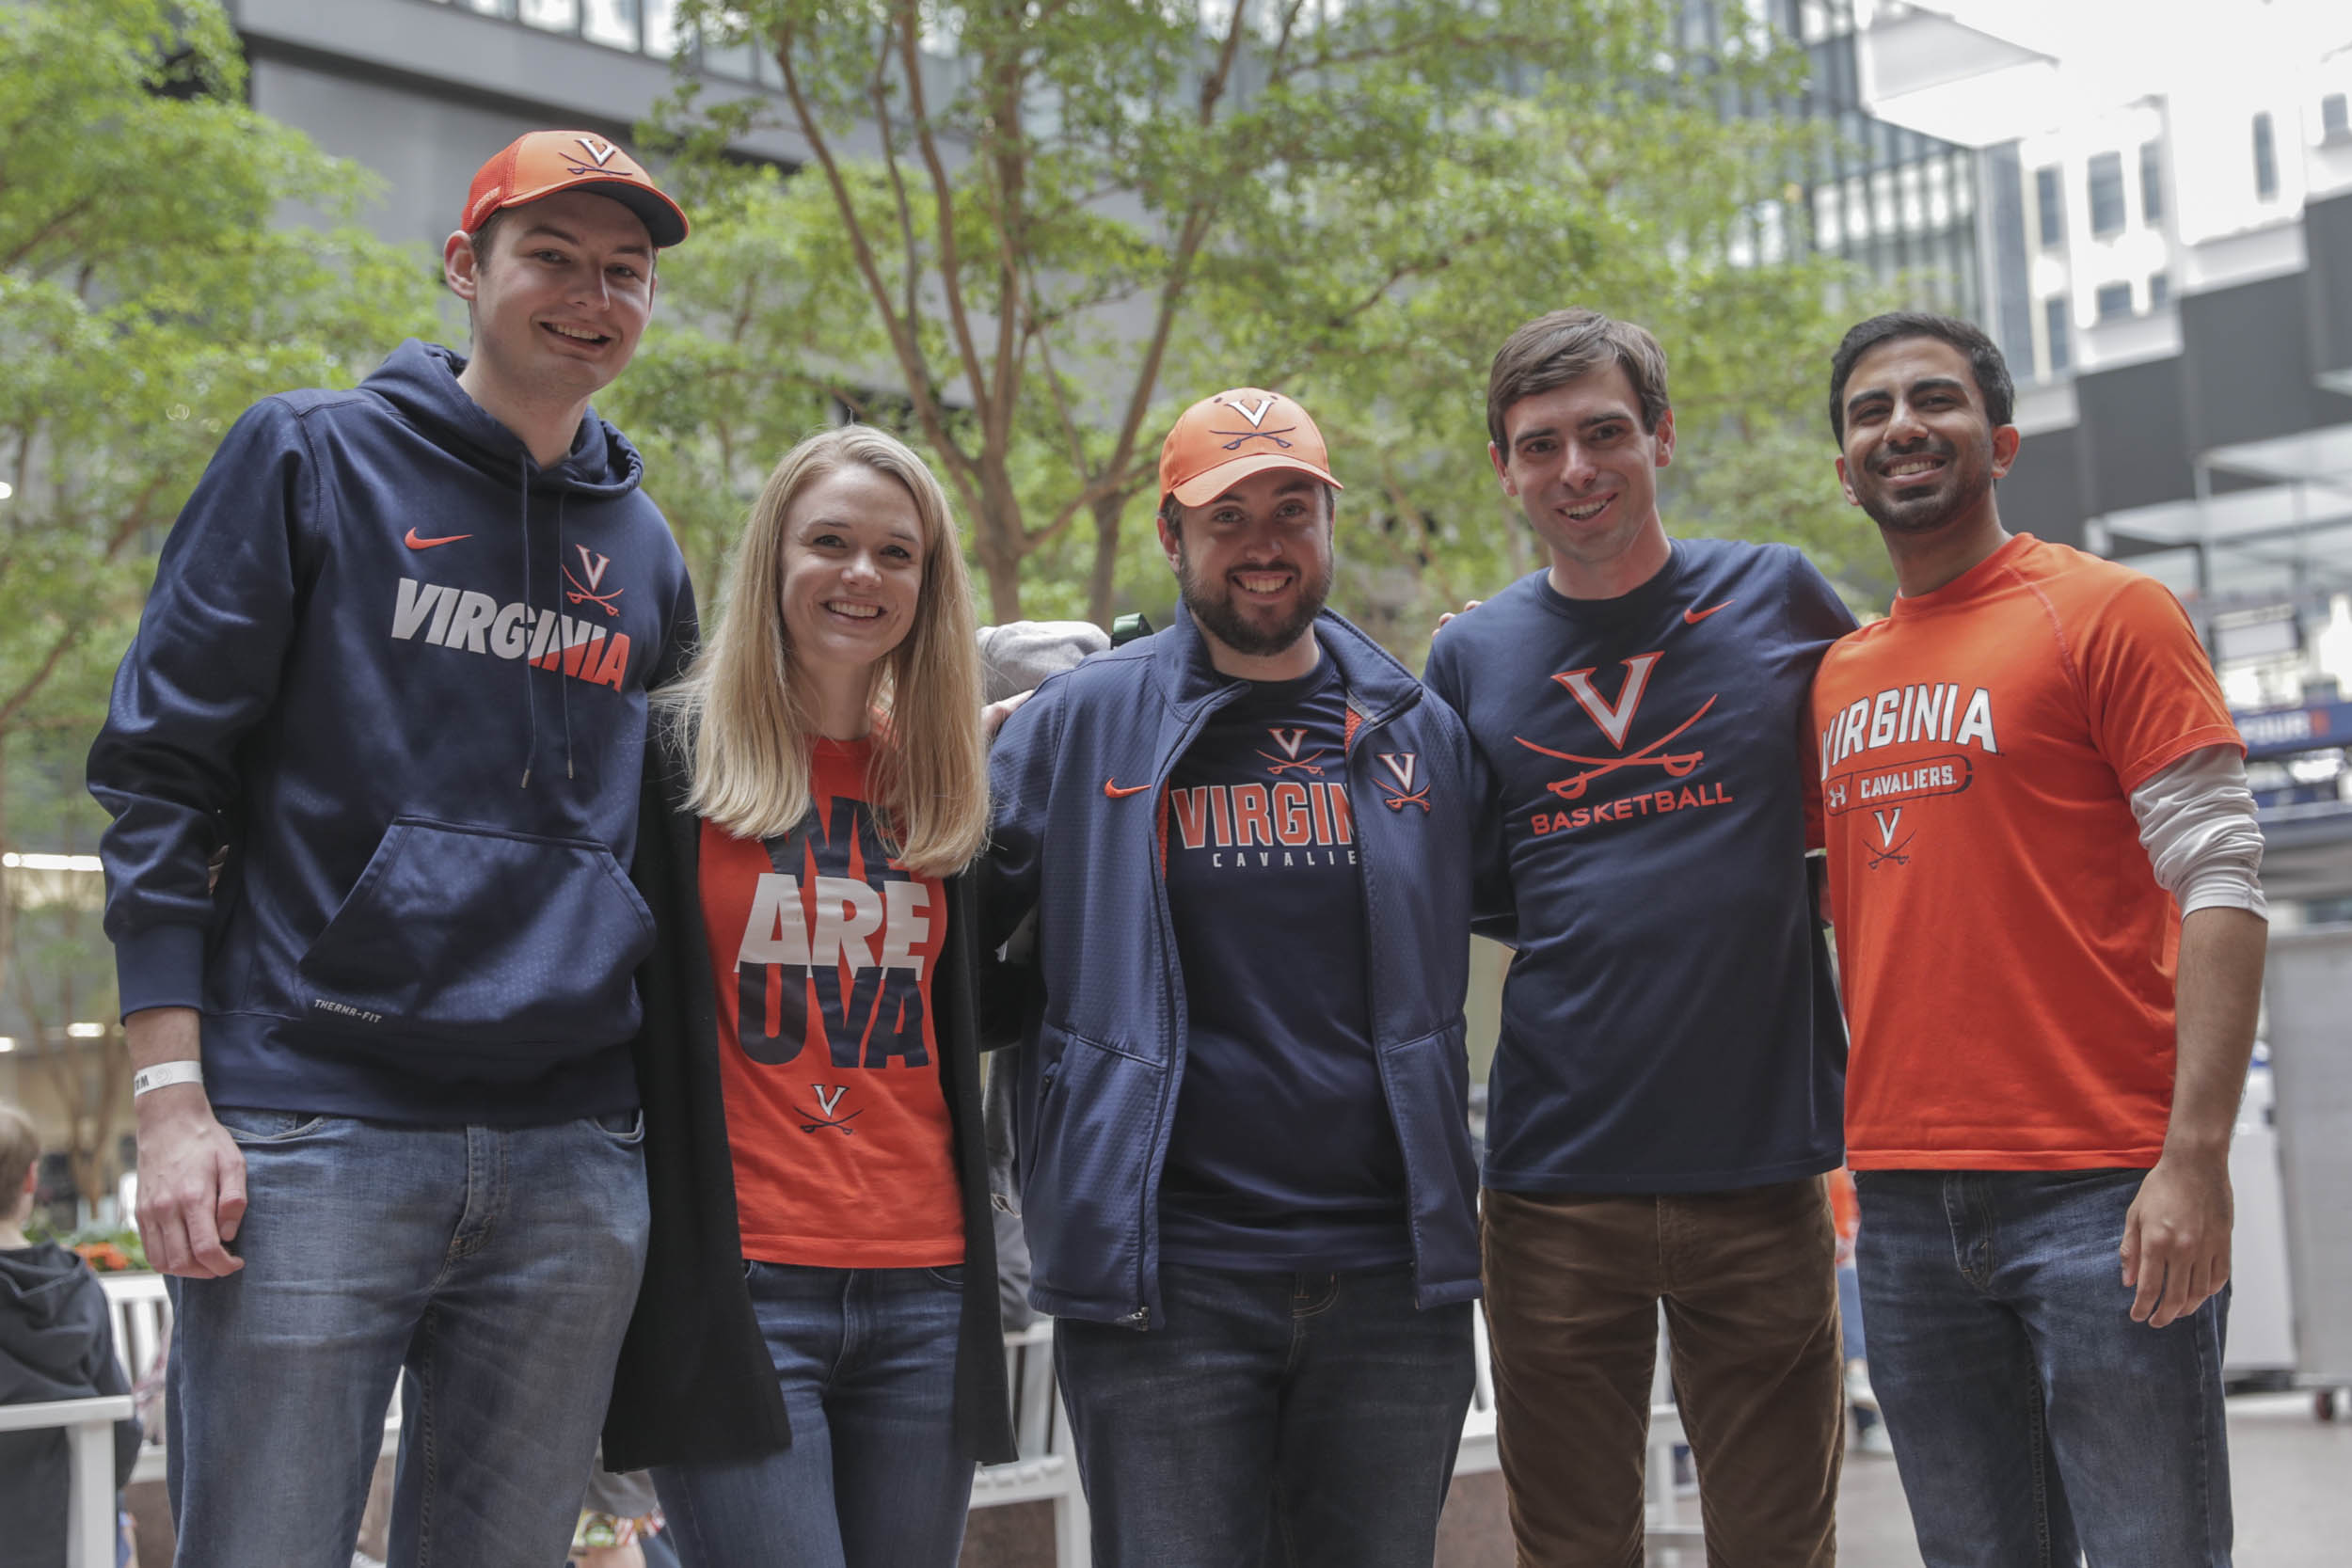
542	163
1222	440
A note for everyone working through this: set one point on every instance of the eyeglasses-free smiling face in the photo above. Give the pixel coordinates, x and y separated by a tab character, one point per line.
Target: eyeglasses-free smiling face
1920	451
853	551
1254	566
1586	474
561	297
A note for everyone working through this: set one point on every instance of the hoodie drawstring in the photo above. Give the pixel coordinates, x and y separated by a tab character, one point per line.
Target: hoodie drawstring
563	688
530	698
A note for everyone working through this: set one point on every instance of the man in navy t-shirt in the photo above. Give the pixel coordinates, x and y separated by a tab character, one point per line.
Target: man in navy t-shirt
1667	1085
1246	1166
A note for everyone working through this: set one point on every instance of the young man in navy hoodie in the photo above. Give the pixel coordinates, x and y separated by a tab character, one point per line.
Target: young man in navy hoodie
1244	1162
373	761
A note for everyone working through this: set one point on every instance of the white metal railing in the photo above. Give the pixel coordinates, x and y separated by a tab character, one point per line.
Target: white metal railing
89	1428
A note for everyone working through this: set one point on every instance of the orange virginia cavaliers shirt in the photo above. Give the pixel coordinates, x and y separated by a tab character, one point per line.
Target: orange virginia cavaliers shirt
2005	952
822	949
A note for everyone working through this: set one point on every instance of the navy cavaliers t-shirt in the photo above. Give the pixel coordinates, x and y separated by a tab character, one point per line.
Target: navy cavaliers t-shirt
1283	1155
1669	1023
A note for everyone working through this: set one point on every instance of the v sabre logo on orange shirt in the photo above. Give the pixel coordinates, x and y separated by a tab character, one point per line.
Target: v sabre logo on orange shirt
477	624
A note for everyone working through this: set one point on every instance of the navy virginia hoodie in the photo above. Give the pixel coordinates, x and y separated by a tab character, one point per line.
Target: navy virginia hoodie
57	1342
398	672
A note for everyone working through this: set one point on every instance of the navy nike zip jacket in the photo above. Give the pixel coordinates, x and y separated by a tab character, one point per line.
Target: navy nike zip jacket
399	671
1079	777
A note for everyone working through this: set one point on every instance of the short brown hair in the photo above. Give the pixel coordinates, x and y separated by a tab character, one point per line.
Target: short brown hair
20	1146
1568	345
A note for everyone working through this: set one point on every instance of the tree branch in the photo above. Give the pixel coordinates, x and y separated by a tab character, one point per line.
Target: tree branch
942	193
903	342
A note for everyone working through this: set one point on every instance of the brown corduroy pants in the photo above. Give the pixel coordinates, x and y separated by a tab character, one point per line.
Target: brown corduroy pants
1748	1281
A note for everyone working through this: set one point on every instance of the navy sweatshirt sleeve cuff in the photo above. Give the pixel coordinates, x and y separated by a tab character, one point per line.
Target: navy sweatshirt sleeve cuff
160	966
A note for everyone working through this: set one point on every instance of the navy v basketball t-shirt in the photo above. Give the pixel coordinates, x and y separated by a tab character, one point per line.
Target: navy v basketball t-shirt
1669	1023
1283	1155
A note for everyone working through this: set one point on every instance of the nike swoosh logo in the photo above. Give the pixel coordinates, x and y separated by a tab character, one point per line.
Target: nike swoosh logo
1120	792
1693	617
416	543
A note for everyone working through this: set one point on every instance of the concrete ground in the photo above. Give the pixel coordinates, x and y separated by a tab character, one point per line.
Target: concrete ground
2290	1479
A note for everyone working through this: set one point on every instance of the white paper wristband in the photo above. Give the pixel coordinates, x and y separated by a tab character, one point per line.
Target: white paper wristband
164	1074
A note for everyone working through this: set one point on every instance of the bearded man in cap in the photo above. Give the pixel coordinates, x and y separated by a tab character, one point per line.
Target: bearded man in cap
373	761
1245	1170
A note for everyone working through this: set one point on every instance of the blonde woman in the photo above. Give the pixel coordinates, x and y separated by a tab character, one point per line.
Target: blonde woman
816	1362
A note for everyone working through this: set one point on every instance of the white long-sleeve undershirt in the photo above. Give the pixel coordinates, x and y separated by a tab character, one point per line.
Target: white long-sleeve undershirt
2197	823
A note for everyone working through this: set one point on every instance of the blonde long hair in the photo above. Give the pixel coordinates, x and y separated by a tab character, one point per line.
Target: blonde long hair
742	712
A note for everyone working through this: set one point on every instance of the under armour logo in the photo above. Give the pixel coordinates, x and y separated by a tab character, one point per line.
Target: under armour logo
599	149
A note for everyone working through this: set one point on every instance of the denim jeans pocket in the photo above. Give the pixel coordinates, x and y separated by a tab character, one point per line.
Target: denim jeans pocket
623	1127
949	1276
266	1127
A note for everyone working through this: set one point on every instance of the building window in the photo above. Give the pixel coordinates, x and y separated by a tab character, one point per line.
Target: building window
2053	319
2335	119
2151	182
2265	158
2159	290
2106	194
2115	301
2051	198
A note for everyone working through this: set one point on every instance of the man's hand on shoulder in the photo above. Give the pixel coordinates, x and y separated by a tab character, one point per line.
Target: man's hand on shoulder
2176	1239
1466	608
191	1172
993	715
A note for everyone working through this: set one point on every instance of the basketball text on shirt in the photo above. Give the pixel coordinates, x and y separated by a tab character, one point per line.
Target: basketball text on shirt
1614	720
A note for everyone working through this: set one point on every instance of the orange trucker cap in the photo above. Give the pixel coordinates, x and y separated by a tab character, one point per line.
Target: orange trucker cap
1222	440
542	163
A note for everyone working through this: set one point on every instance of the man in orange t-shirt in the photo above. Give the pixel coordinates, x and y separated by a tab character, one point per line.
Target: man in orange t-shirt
2042	858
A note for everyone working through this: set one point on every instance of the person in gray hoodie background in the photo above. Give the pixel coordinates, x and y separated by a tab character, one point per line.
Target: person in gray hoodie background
57	1342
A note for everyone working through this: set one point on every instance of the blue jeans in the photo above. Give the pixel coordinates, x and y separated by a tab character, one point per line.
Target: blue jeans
497	1265
2032	1419
874	1477
1276	1419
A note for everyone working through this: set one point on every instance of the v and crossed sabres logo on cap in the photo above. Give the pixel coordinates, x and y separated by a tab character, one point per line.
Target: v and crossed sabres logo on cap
1257	421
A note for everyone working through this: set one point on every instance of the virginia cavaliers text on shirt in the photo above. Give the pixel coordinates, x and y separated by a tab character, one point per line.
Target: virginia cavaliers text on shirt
822	949
2006	951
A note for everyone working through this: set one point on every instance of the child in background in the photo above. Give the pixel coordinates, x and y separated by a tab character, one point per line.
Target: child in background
57	1342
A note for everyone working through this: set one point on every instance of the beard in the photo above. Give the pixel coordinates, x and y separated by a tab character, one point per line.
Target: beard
1959	492
1212	605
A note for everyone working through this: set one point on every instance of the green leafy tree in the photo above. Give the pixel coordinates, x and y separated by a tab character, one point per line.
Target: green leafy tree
1032	229
147	296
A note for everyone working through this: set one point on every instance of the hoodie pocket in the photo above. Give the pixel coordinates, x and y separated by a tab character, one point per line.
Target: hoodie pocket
505	942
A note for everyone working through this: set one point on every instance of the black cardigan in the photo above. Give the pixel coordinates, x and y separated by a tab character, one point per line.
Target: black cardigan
695	1382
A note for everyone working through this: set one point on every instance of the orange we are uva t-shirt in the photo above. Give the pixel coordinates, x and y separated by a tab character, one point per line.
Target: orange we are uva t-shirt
2006	955
823	951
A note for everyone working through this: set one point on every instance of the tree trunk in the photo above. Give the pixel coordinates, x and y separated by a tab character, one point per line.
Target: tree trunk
1101	581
